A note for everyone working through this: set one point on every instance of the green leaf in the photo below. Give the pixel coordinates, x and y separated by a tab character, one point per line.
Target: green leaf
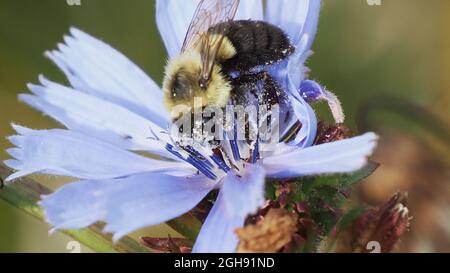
271	189
350	179
343	180
325	219
25	194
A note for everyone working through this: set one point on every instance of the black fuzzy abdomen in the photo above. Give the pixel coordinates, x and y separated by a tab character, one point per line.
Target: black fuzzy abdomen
257	43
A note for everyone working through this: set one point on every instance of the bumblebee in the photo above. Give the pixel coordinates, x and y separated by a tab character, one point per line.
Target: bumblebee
223	61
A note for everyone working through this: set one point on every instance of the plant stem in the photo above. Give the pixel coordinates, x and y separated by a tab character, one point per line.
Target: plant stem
187	225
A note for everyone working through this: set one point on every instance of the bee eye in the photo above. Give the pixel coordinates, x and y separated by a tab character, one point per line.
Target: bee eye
178	84
180	87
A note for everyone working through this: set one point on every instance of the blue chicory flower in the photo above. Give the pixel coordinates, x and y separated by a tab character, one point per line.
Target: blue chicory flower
113	109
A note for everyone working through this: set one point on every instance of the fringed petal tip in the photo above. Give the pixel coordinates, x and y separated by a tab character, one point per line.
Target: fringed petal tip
371	139
68	153
92	116
16	153
21	130
93	67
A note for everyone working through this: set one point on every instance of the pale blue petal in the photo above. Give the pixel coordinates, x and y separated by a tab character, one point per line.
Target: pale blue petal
299	111
93	66
240	196
291	78
336	157
305	28
62	152
218	232
245	194
95	117
299	18
295	17
290	75
173	18
250	9
306	115
294	75
125	204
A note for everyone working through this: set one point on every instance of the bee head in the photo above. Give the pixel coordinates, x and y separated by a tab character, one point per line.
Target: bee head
184	84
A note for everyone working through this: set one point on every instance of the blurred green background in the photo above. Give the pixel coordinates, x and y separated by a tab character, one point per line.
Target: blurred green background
397	52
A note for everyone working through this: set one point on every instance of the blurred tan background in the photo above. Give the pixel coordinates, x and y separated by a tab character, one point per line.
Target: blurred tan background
389	64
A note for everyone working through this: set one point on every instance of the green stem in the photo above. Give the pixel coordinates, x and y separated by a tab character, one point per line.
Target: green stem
25	194
187	225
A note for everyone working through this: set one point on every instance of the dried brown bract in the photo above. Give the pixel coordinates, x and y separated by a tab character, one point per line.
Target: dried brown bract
330	133
270	234
170	245
384	226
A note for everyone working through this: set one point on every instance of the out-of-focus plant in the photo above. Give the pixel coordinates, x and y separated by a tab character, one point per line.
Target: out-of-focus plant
415	154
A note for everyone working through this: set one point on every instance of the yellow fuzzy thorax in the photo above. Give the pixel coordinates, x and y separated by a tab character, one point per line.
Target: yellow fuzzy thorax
189	62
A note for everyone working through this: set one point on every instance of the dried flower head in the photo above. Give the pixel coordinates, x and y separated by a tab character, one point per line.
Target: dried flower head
381	227
270	234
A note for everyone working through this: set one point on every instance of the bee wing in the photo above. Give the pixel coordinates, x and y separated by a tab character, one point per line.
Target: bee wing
209	13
